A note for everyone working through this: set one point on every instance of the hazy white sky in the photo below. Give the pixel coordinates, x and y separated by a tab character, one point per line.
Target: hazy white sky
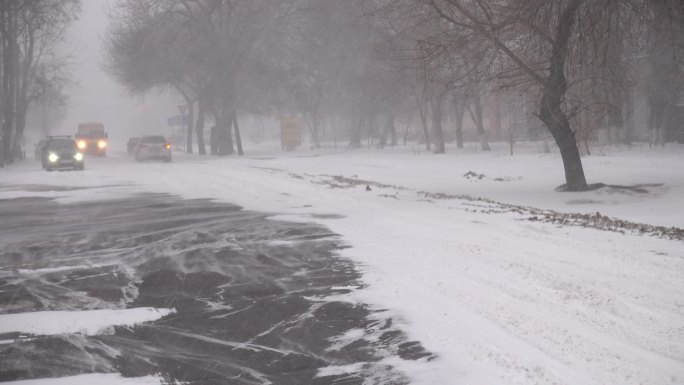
97	97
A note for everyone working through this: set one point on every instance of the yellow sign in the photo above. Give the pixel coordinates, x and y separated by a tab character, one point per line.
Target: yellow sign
290	132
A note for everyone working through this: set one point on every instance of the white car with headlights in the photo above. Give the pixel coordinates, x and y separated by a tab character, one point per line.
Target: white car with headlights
60	152
153	147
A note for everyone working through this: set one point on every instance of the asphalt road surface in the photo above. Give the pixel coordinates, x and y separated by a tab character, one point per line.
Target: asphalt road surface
254	297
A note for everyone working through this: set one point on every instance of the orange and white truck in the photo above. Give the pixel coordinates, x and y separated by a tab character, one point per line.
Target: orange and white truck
91	139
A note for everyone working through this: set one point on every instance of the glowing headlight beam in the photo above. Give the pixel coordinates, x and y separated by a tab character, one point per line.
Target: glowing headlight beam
78	156
53	157
102	144
81	144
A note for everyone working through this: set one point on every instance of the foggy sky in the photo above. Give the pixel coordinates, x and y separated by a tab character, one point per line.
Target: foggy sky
97	97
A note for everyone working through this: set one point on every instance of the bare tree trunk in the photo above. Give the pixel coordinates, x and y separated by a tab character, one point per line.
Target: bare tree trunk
238	140
9	78
510	128
657	125
215	132
459	107
224	135
335	123
551	112
355	134
199	128
17	152
314	127
22	99
382	141
22	105
191	112
478	118
3	77
393	130
406	132
558	124
370	128
628	118
191	130
553	85
214	139
389	131
224	126
422	111
437	116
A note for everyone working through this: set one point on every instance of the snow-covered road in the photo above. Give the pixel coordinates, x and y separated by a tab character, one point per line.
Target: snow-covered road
499	298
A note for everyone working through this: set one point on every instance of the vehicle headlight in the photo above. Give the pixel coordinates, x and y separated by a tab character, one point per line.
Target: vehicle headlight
78	156
102	144
53	157
81	144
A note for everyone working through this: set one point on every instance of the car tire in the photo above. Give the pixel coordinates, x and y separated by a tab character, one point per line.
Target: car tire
48	169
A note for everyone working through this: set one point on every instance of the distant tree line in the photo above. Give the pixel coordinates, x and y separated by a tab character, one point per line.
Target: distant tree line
33	63
355	69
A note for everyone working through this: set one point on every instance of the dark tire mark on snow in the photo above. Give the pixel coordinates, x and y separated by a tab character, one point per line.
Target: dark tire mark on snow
252	295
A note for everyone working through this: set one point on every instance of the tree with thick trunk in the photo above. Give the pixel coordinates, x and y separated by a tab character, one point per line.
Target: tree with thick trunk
199	128
477	114
390	131
481	23
238	140
191	128
225	137
437	107
459	111
8	29
26	72
422	107
314	127
355	131
551	105
190	103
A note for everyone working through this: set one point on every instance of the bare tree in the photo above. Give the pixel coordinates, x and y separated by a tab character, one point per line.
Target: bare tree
33	67
548	49
663	82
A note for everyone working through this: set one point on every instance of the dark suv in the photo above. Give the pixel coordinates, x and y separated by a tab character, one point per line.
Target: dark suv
61	152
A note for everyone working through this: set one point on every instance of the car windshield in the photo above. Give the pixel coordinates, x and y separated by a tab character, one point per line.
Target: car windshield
62	144
153	139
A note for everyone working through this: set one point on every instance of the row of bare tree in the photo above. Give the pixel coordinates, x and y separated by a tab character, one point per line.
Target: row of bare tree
354	68
33	63
572	62
259	57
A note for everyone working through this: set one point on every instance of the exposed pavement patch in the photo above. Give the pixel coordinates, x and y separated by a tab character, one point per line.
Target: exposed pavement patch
256	300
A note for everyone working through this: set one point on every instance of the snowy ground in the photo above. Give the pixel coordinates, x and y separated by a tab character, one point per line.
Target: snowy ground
499	298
